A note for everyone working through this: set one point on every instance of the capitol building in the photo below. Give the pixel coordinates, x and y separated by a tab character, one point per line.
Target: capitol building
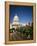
16	23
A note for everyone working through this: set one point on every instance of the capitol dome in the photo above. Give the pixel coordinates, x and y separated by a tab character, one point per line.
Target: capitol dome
16	19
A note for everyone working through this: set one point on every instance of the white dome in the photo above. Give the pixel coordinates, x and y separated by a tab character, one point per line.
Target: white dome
16	18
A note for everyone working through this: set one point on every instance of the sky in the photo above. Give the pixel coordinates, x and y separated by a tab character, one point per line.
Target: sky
23	12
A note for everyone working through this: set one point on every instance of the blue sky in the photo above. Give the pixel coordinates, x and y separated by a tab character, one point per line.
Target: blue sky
24	13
